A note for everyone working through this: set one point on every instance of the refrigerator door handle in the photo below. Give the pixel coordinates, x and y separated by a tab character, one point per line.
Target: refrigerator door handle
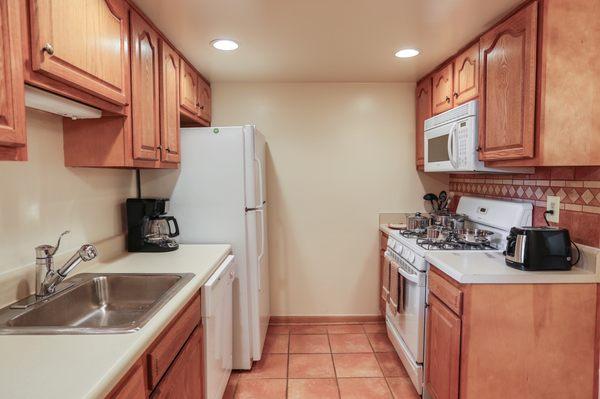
261	214
261	200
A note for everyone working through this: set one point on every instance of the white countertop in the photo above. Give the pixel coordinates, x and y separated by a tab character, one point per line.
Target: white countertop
89	366
490	268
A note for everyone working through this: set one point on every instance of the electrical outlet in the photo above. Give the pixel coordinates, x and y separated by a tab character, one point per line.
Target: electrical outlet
553	204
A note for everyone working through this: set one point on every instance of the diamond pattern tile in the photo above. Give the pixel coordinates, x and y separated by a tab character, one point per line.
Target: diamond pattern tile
520	192
512	191
538	193
573	195
561	194
529	192
587	196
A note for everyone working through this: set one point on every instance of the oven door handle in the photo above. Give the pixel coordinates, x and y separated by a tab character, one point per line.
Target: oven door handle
412	277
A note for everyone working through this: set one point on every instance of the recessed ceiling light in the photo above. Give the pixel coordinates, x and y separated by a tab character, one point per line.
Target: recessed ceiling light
407	53
224	44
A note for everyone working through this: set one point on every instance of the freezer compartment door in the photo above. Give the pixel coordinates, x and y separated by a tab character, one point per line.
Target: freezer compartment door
255	149
258	277
217	317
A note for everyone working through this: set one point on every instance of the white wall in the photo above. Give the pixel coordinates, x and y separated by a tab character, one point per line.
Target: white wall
338	154
41	198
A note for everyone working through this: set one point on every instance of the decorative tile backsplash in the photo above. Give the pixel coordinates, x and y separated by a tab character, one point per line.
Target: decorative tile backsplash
577	187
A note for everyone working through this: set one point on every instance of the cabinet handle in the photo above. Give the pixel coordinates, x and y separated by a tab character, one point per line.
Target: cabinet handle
202	107
448	99
455	95
48	49
478	149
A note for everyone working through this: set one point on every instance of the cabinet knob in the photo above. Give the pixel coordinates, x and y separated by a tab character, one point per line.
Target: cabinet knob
478	149
48	49
455	95
202	107
448	99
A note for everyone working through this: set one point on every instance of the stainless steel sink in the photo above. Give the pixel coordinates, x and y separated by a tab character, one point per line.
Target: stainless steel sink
94	304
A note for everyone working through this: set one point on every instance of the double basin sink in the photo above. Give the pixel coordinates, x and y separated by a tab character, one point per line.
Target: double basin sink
91	303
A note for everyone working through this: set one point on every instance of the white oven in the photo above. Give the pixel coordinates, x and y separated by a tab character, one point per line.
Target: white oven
452	142
405	313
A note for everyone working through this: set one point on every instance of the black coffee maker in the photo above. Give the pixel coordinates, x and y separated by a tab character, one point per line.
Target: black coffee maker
148	227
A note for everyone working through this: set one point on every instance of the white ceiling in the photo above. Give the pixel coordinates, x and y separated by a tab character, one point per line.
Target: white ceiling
321	40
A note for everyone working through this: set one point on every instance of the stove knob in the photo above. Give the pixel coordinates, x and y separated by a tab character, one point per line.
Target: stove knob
391	243
412	258
399	247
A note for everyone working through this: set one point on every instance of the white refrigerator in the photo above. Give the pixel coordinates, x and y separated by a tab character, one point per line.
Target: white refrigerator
220	197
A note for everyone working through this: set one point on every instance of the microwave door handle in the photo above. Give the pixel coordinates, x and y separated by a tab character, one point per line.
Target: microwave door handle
451	154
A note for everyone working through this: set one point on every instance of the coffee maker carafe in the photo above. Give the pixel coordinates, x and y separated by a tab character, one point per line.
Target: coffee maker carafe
148	227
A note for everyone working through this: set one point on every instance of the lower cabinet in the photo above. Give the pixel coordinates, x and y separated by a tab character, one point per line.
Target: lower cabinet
498	341
443	353
173	365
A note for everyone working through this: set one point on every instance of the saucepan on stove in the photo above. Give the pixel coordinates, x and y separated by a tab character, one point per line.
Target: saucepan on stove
437	233
417	222
473	236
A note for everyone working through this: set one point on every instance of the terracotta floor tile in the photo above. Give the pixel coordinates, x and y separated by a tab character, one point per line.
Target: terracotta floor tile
402	388
270	366
275	329
345	329
311	366
349	343
381	343
308	330
313	389
374	328
390	364
261	389
276	343
356	365
309	344
363	388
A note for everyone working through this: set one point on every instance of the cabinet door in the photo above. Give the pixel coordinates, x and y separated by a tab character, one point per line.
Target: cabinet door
204	108
144	90
466	75
83	44
184	379
133	385
508	88
188	89
442	363
442	89
12	97
169	103
423	106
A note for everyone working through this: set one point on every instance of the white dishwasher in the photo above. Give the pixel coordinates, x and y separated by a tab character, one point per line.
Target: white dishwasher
217	319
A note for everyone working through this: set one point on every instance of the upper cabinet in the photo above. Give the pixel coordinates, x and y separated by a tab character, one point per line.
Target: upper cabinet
508	87
83	44
169	103
144	90
12	104
466	75
423	101
443	88
195	97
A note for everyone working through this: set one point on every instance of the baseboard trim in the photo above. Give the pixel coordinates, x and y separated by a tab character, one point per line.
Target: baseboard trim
326	319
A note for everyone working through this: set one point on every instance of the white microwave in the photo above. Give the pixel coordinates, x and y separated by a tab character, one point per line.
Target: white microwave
451	141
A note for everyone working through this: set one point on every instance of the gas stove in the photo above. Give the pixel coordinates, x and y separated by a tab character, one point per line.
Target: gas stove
451	243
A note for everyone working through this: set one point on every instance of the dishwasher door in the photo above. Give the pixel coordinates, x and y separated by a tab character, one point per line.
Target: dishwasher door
217	319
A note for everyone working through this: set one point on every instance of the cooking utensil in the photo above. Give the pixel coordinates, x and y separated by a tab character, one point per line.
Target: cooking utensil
437	233
473	236
442	200
417	222
432	198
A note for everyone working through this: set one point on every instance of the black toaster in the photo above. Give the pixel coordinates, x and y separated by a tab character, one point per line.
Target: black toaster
538	248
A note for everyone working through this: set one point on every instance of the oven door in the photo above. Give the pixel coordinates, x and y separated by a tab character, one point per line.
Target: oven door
410	317
440	148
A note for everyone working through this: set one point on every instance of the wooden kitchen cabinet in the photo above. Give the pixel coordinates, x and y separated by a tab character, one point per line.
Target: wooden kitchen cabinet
173	365
83	44
443	89
498	341
466	75
508	54
145	109
13	137
204	101
169	103
189	90
442	365
423	105
184	379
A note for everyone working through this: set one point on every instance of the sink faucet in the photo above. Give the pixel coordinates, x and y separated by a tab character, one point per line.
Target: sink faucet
46	278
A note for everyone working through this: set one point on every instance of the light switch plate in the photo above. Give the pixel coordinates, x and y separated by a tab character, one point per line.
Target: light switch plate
553	204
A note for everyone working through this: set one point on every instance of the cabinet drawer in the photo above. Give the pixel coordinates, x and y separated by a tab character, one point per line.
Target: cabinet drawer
450	295
132	386
168	345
